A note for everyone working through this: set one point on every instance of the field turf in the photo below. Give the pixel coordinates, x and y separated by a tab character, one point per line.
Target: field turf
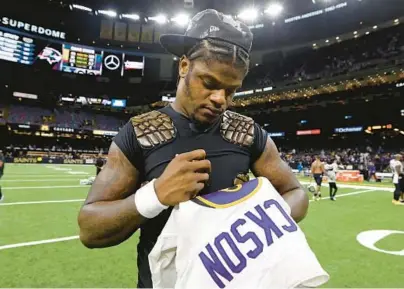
42	202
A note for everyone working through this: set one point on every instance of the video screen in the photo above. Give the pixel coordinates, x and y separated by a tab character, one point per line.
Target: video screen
16	48
81	60
118	103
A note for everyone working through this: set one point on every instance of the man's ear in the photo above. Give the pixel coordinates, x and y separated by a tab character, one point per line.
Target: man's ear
184	66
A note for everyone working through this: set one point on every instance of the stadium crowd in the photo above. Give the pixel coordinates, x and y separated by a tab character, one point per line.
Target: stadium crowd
367	161
376	49
61	117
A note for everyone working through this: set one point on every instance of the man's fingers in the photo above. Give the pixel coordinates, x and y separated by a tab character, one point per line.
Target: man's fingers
193	155
198	187
200	166
202	177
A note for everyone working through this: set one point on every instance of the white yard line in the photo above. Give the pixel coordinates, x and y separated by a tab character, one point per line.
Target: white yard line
38	242
340	185
77	237
40	180
24	176
348	194
42	187
82	200
42	202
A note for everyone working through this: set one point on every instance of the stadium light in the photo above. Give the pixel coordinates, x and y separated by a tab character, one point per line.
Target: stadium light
81	7
248	14
375	27
274	9
131	16
109	13
160	19
181	19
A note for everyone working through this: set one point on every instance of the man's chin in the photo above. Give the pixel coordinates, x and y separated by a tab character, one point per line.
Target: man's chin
206	120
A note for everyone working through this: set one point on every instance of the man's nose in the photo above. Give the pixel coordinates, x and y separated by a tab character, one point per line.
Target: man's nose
218	97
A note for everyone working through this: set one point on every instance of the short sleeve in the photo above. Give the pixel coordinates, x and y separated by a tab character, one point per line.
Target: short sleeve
127	142
260	141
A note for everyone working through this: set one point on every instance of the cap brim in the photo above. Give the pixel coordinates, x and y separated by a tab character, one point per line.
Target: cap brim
177	44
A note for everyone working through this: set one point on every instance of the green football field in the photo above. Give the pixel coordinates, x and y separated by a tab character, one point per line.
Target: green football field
39	244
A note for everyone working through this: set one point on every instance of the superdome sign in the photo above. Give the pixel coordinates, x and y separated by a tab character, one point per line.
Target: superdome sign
32	28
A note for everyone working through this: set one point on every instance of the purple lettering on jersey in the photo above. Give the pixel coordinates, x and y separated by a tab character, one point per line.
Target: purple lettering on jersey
292	225
266	223
215	267
242	260
248	236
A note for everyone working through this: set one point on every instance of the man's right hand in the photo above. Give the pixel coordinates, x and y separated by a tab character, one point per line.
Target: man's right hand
184	177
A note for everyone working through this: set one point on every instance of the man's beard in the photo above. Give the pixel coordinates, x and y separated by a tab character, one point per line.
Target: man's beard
197	125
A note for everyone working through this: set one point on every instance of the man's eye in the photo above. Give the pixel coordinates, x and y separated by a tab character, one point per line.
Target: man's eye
209	84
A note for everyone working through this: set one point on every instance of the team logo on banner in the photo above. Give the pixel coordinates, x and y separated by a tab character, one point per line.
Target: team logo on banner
112	62
51	55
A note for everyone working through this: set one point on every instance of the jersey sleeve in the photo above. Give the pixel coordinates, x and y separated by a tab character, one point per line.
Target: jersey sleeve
260	141
128	144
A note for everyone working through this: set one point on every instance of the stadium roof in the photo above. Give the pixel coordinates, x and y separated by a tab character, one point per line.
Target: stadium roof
298	21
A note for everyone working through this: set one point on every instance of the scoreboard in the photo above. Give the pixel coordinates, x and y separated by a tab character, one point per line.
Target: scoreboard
67	57
16	48
81	60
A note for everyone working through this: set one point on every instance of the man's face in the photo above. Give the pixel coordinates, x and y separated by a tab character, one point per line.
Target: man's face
208	88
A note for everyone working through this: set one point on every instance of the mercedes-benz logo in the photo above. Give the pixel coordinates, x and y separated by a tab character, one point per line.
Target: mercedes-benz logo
112	62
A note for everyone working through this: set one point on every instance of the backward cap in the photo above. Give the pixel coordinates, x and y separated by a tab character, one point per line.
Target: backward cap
209	24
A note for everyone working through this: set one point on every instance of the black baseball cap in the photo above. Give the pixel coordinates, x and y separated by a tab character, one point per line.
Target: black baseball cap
209	24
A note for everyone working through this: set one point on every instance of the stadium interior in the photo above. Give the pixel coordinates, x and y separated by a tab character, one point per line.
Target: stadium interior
326	78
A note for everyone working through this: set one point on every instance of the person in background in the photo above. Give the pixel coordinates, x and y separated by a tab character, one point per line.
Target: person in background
331	169
397	169
300	168
317	170
99	163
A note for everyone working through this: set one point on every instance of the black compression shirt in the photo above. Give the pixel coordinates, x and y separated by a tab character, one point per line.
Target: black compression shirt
228	160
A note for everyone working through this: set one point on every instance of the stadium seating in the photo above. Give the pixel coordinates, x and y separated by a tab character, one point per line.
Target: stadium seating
20	114
307	64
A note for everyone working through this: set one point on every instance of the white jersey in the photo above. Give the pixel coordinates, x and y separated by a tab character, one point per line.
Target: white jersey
241	237
331	170
393	165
